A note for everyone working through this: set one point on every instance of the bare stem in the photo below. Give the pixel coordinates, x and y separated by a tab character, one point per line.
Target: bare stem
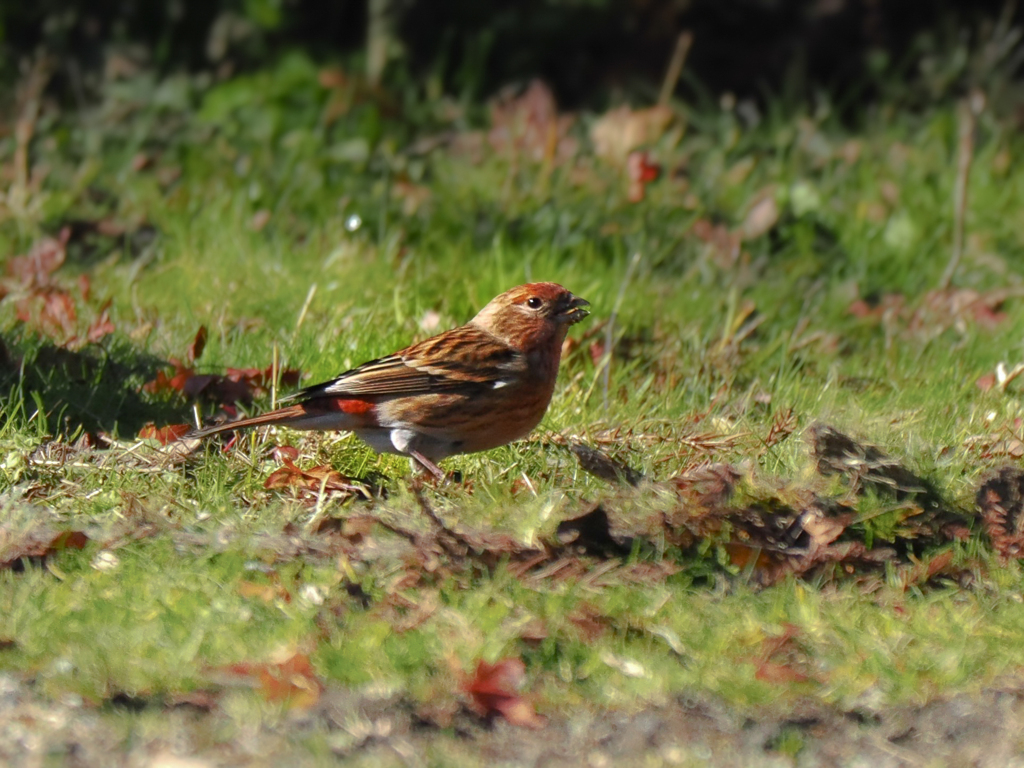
675	66
969	109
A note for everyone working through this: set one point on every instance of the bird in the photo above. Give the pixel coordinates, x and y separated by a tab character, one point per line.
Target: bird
472	388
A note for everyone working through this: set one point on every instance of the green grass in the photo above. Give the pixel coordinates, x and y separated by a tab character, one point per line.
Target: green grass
863	214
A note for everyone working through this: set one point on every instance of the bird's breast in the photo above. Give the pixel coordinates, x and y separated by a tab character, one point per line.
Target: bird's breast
470	422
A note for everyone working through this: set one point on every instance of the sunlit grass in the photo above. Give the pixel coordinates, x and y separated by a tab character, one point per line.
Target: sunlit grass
860	217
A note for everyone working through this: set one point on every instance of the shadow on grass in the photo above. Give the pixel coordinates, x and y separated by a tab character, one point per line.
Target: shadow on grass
92	390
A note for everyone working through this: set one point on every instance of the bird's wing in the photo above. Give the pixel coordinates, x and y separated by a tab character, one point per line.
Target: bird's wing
463	359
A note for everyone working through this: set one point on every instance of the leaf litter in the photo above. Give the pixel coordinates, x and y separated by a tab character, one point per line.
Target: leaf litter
773	530
785	530
235	385
792	534
494	689
48	307
776	530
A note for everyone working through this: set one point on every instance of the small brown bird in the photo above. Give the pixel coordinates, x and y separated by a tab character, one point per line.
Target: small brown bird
473	388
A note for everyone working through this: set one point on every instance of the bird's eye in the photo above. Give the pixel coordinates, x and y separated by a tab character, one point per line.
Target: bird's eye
534	303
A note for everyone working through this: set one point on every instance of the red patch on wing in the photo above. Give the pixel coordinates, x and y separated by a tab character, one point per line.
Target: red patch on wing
345	405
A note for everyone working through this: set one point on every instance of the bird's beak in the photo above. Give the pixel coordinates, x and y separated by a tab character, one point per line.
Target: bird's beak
573	311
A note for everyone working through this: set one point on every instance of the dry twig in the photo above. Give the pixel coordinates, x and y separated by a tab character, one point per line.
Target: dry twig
675	66
968	112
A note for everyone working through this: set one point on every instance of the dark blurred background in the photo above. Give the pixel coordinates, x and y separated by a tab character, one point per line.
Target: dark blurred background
587	50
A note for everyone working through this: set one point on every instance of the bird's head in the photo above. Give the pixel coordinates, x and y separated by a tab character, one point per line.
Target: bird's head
532	314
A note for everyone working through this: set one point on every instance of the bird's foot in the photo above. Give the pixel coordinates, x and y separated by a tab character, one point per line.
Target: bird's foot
428	466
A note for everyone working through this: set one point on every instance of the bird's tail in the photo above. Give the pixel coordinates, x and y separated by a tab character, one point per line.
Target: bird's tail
282	416
330	413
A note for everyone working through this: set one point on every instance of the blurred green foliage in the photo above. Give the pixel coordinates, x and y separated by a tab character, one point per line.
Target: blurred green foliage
588	50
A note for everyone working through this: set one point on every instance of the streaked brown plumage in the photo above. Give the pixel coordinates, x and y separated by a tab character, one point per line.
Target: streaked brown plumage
473	388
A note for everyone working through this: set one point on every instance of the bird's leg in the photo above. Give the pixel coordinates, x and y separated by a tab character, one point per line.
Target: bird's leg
437	521
427	465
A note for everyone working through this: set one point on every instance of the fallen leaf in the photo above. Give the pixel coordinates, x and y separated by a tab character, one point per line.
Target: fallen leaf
38	544
603	466
259	220
292	681
590	622
268	593
311	482
236	385
286	453
102	326
164	435
722	245
1000	499
754	558
762	216
865	465
986	382
782	670
164	383
285	477
921	573
494	690
772	672
706	487
823	529
622	130
640	172
195	349
33	270
528	124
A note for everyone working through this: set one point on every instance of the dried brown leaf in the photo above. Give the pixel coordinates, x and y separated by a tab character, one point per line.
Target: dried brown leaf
601	465
268	593
102	326
773	672
292	681
706	487
164	435
591	623
782	657
494	690
640	172
195	349
762	216
1000	499
34	269
259	220
722	245
622	130
865	465
38	544
528	125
